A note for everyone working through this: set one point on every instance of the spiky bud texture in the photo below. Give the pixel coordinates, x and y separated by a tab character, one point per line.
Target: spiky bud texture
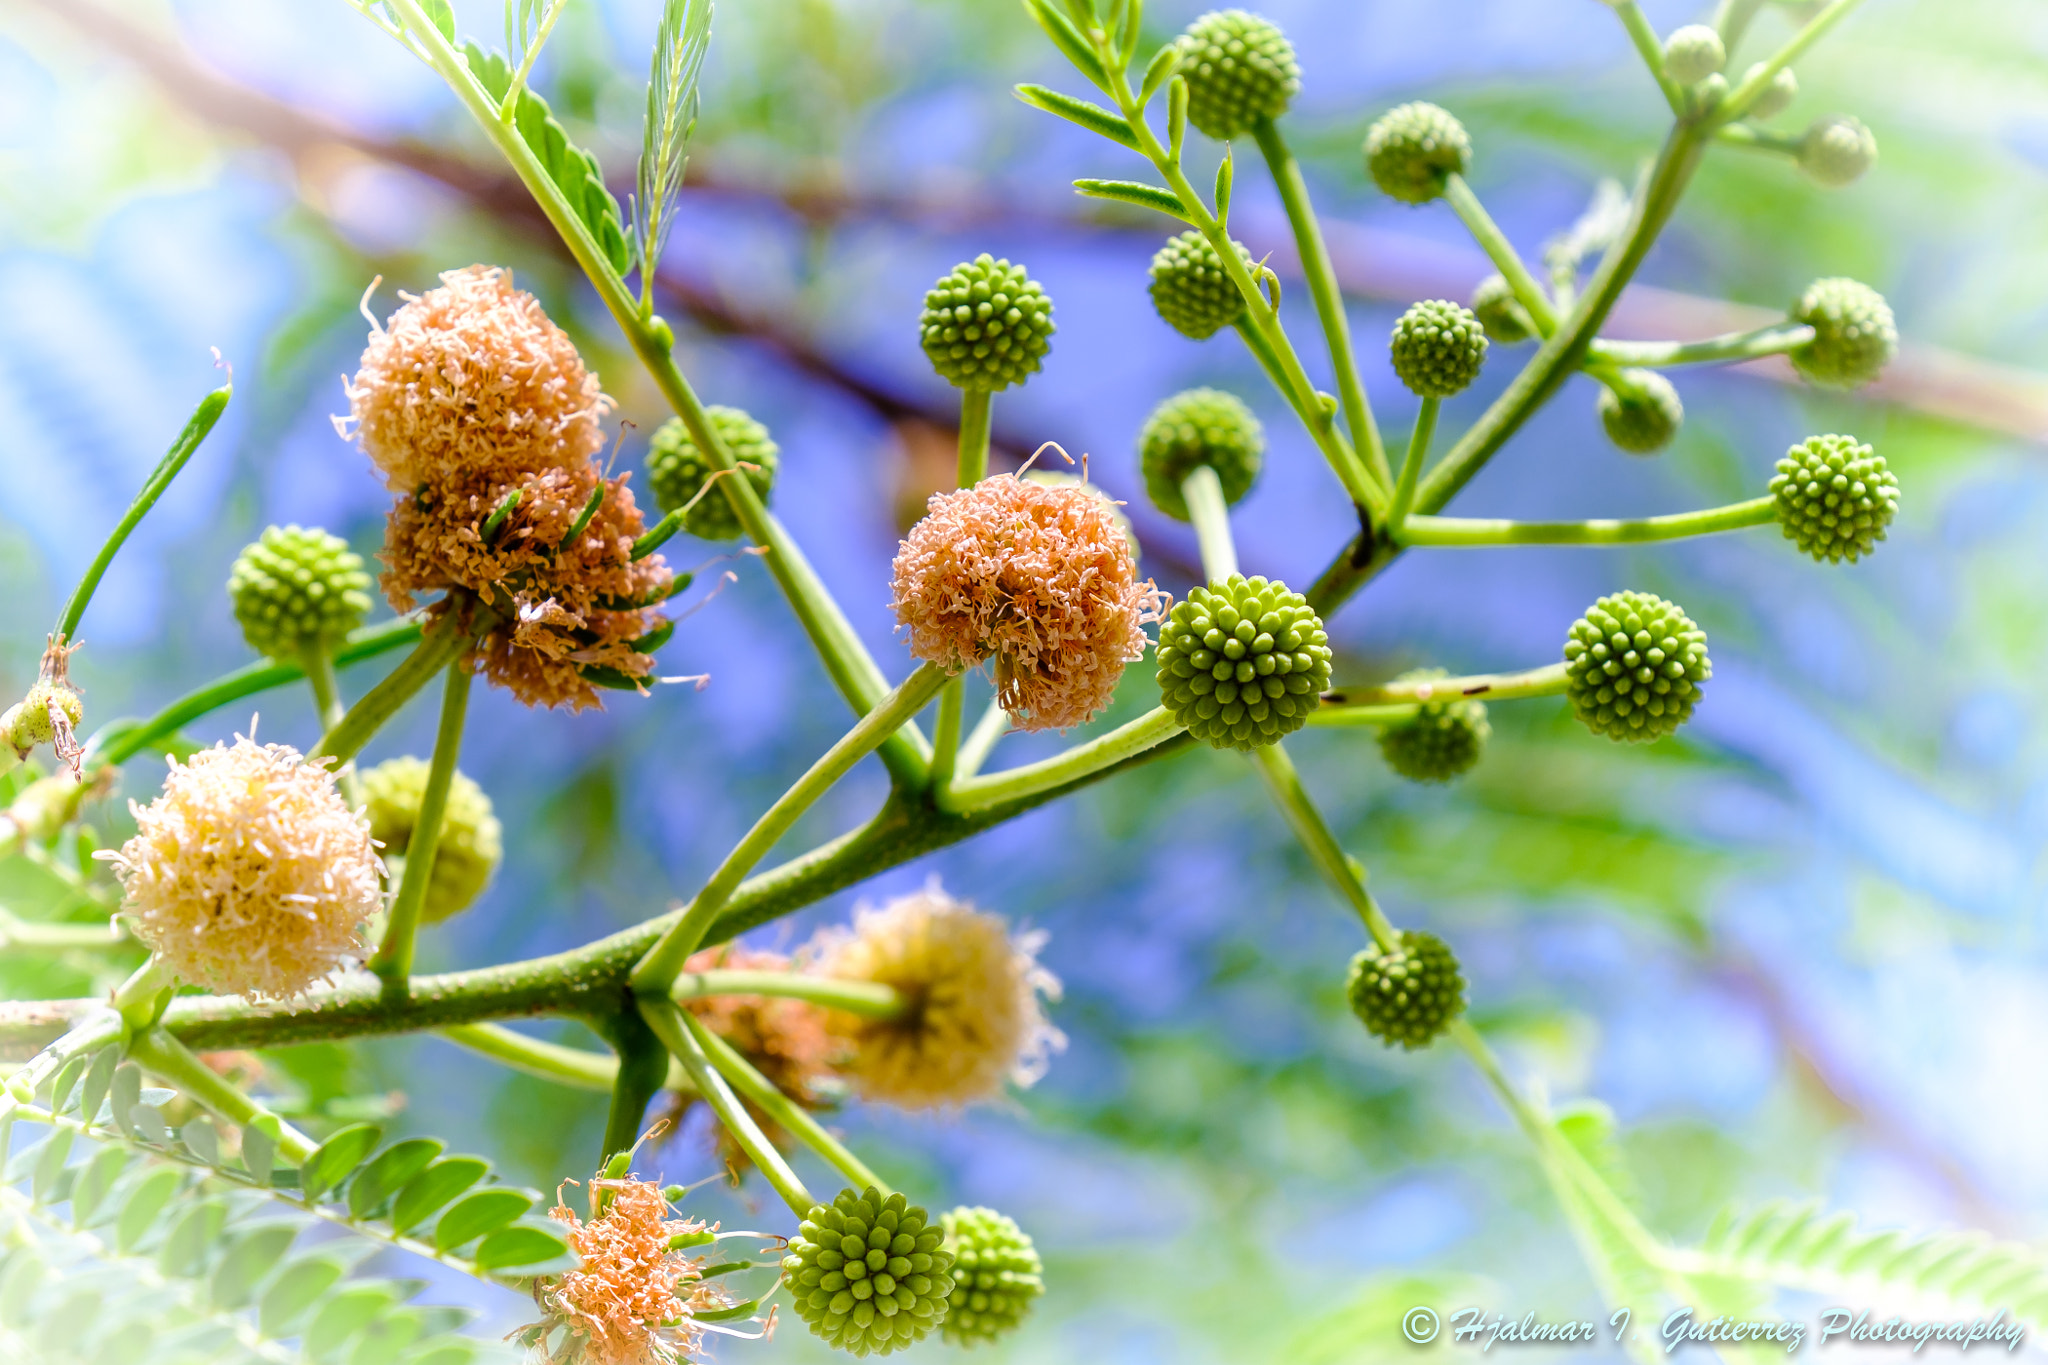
1854	336
1413	151
1835	497
1243	662
1438	347
471	843
1641	412
677	469
868	1274
297	586
1190	288
1837	150
1634	666
997	1275
1693	53
1199	427
1240	68
1776	97
1408	996
1442	740
986	324
1500	312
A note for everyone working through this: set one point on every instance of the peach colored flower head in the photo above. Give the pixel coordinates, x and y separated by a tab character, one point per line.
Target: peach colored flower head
472	380
1039	578
633	1301
249	875
974	1019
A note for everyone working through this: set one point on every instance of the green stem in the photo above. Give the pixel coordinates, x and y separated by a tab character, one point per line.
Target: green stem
1322	287
317	658
570	1066
196	429
1202	490
981	741
785	1111
868	999
28	934
1742	96
664	961
1775	339
946	732
143	997
1645	38
1327	716
1319	842
122	740
1467	532
1547	681
643	1067
393	959
1528	292
1411	468
1751	138
1083	760
1731	21
976	406
675	1032
162	1054
439	648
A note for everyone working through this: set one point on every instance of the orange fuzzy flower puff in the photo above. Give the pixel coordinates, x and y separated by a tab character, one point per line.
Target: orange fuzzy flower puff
468	398
1041	579
633	1301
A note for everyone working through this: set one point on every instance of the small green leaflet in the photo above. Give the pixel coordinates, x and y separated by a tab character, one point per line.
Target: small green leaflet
672	103
1135	194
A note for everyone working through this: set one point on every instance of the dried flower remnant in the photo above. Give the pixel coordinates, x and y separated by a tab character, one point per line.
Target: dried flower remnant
974	1020
249	875
1039	578
633	1301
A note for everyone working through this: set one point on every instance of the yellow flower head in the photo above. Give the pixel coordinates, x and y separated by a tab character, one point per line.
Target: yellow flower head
249	875
974	1018
633	1301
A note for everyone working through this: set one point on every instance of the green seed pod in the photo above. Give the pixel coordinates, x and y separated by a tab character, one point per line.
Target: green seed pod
1641	411
1200	426
28	722
1835	497
471	845
997	1275
986	325
1239	69
1837	150
1438	348
297	586
868	1274
1242	662
1442	740
677	469
1777	97
1413	151
1190	289
1854	336
1634	665
1501	313
1408	996
1693	53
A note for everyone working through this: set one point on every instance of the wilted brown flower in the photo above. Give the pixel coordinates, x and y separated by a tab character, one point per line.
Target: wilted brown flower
633	1301
1039	578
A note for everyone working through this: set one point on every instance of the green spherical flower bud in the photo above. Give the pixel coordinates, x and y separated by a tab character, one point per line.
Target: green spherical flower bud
1641	411
997	1275
297	586
1199	427
471	844
1634	665
29	722
1854	336
1693	53
1242	662
1190	289
1413	151
1837	150
1776	97
868	1274
1410	995
1239	69
1834	497
1438	348
1500	312
677	469
1440	741
986	325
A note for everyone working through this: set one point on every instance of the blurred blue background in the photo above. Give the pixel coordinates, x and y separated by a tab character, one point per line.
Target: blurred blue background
1796	951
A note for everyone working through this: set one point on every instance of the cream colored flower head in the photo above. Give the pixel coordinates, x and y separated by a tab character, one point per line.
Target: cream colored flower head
1038	578
249	875
472	380
633	1301
975	1017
